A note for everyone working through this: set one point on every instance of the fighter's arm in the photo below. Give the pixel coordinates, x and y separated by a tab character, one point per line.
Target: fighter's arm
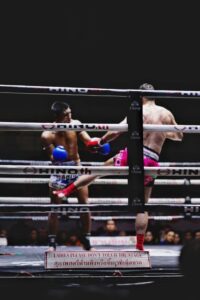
84	137
93	144
175	136
112	135
101	145
47	143
109	136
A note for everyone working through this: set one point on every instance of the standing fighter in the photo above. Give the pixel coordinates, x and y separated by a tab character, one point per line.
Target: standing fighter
153	143
62	148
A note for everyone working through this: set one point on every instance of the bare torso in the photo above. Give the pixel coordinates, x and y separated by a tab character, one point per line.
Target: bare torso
68	139
154	114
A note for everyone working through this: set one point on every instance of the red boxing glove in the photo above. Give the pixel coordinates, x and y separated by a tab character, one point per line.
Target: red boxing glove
94	145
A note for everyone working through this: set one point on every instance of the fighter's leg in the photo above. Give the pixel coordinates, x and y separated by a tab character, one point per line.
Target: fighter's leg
141	221
53	222
80	182
82	195
88	179
85	218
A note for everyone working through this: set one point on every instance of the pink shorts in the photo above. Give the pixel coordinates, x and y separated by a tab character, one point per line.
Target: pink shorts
149	162
121	160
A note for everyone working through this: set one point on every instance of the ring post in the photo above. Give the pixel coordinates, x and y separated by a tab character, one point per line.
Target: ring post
135	154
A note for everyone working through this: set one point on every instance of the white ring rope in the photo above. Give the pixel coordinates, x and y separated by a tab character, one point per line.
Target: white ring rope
55	90
72	200
24	180
173	128
100	170
64	209
172	171
97	218
179	164
21	126
62	170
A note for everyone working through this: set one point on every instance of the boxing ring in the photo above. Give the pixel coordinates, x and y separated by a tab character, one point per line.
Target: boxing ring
20	262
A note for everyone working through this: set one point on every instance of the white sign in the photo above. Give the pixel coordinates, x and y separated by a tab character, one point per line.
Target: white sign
97	259
113	240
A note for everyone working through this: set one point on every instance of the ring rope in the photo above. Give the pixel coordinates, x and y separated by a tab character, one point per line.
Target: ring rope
184	181
172	171
46	200
62	208
72	200
86	208
98	170
55	90
95	218
61	170
102	218
21	126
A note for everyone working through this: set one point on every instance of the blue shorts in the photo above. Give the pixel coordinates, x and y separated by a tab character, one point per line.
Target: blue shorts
59	182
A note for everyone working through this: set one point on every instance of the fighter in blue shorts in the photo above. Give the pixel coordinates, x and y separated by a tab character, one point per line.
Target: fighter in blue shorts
68	154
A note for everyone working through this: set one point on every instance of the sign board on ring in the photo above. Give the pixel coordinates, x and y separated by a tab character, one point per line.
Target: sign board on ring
97	260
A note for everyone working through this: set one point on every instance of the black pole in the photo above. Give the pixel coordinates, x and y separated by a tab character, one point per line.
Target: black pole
135	154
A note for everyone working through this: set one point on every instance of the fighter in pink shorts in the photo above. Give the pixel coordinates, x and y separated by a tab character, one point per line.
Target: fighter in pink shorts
151	159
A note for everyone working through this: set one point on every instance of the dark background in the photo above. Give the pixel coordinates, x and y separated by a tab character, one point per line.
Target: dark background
97	44
89	44
110	44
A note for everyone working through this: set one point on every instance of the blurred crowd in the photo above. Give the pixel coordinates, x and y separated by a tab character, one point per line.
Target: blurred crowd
23	232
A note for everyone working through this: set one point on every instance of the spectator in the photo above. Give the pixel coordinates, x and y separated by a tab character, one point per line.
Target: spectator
162	233
169	238
149	238
62	237
122	233
187	236
33	238
109	229
177	239
197	235
73	240
43	236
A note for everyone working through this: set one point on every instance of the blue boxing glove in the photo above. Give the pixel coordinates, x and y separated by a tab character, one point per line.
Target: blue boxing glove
104	149
59	154
94	145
